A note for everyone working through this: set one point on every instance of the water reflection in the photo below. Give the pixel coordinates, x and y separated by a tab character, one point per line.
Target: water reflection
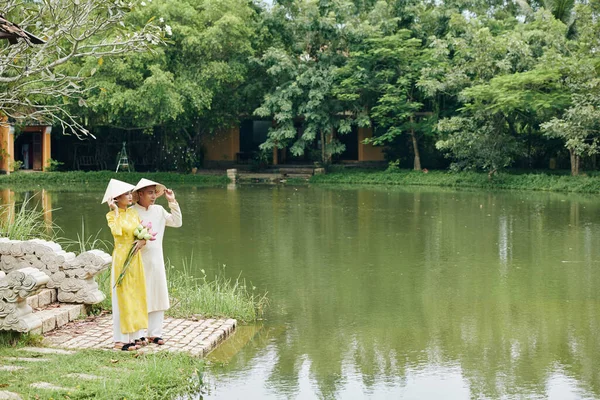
397	293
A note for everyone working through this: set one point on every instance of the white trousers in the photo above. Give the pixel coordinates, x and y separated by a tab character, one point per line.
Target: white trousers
119	336
155	323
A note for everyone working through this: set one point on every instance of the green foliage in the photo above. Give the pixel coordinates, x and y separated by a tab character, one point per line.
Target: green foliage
74	179
16	165
482	145
393	166
579	127
53	165
191	87
559	182
319	69
303	72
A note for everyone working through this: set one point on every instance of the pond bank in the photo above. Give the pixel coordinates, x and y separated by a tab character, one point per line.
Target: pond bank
548	181
504	180
75	179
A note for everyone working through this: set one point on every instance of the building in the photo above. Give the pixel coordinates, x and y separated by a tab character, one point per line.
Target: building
31	148
239	145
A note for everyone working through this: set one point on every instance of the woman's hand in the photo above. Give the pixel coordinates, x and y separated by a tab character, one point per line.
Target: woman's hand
139	244
112	204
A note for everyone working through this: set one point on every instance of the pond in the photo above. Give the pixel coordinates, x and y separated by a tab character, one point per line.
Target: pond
394	293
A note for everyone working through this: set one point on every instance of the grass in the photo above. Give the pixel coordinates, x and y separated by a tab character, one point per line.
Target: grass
506	180
74	180
217	297
124	375
25	223
84	242
220	297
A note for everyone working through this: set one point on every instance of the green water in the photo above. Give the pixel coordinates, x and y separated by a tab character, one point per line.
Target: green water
404	293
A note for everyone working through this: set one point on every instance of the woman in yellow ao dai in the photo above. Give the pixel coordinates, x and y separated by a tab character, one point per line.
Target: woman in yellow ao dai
130	315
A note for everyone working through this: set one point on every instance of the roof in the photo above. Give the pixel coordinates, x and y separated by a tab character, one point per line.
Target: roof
13	33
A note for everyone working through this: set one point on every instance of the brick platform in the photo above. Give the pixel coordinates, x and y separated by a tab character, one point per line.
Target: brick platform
197	337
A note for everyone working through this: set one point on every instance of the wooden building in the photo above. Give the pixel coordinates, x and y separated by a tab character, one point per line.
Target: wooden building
32	147
240	144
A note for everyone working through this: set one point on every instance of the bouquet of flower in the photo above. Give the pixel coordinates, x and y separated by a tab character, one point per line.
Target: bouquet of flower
142	232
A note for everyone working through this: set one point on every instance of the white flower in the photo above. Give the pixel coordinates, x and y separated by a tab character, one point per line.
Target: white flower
143	3
161	19
168	30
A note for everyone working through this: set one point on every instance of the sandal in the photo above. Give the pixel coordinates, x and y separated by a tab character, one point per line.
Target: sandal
141	342
157	340
125	347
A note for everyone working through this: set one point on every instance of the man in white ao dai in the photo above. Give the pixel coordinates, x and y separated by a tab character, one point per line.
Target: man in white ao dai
145	194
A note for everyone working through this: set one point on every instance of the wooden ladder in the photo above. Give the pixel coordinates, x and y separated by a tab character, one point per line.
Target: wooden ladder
123	160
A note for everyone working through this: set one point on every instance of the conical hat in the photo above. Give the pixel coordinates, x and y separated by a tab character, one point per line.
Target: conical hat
160	188
115	189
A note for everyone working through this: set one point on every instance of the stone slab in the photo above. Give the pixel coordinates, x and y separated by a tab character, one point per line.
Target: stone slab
196	337
46	350
49	386
6	395
45	297
58	315
10	368
25	359
85	377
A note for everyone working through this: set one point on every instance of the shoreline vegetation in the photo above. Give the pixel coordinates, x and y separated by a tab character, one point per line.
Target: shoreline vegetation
536	181
66	180
545	180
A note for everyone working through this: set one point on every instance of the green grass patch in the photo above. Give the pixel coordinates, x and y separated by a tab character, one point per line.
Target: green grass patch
201	297
123	375
216	297
507	181
74	180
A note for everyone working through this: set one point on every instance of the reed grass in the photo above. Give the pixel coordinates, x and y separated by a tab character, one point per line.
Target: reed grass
25	222
84	241
201	297
217	297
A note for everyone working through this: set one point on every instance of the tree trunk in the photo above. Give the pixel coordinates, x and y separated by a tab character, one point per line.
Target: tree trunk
417	161
574	163
491	173
323	156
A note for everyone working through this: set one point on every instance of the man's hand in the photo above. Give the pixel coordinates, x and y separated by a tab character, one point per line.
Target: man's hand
139	244
170	195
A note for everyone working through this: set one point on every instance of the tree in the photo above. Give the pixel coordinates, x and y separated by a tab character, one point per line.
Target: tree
32	77
303	68
579	127
196	85
478	142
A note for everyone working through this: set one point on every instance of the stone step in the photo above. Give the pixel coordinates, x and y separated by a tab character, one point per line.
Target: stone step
44	298
298	176
56	315
297	171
